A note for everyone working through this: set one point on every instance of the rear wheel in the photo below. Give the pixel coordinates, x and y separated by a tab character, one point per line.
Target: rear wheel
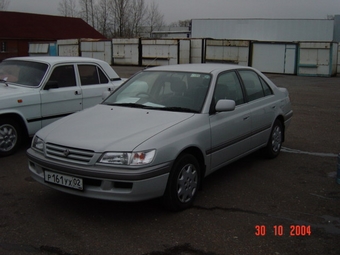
275	140
10	137
183	183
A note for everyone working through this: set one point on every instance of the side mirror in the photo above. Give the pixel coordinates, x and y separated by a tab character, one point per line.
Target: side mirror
51	85
225	105
105	94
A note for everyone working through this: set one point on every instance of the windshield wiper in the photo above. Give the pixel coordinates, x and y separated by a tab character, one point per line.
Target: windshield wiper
132	105
178	109
173	108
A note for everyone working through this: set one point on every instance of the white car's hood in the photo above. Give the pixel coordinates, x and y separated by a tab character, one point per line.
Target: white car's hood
6	91
110	128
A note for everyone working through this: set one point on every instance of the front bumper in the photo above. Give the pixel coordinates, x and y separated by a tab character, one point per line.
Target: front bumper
104	182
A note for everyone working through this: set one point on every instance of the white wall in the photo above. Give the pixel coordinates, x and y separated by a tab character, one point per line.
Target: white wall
277	30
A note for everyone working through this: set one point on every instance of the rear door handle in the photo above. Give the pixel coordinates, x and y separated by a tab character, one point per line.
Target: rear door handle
245	118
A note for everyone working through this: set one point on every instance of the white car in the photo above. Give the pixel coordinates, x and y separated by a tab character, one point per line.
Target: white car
35	91
161	133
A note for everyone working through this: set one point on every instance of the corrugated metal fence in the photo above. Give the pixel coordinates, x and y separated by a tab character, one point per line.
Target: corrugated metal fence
299	58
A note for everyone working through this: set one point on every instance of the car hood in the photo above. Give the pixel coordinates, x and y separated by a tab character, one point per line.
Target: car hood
10	90
110	128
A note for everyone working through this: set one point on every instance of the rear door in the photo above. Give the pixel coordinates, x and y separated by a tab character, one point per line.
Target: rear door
93	82
65	98
262	105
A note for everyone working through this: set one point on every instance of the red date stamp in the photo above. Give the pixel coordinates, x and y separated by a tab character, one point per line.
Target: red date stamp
278	230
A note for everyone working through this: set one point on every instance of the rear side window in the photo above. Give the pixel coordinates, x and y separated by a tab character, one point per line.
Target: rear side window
267	90
254	85
91	75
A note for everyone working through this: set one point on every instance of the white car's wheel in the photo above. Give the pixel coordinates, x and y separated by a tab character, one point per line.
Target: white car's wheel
183	183
10	137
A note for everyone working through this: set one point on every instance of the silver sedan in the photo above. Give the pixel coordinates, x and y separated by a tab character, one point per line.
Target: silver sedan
161	133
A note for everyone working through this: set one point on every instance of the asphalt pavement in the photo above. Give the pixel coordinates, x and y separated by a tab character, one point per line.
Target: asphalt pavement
286	206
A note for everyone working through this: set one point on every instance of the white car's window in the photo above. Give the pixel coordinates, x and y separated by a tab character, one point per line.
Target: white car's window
25	73
252	84
178	91
63	76
91	74
228	87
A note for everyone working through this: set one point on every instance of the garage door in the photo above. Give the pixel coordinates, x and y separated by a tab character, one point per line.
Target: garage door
274	58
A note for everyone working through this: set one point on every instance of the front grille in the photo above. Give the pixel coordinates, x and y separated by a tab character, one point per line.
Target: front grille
69	154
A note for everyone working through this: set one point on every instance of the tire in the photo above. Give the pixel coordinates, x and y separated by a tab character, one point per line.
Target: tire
183	183
275	141
10	137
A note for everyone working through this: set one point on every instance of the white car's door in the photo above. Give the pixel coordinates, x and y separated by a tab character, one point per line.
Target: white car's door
262	104
60	96
93	83
230	131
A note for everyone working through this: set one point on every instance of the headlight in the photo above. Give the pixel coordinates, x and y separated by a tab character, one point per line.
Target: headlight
38	143
127	158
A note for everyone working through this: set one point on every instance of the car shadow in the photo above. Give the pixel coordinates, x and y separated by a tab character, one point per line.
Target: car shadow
88	208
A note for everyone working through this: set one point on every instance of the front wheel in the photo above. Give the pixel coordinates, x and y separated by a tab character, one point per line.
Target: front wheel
183	183
10	137
275	141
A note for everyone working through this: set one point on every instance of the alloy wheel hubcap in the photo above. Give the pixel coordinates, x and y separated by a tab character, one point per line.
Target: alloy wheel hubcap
8	137
187	183
276	139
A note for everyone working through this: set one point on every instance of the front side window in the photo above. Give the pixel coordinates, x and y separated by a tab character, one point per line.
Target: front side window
64	76
24	73
228	87
90	75
174	91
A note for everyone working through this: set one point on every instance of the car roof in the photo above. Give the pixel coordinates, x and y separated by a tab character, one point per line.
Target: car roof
202	68
53	60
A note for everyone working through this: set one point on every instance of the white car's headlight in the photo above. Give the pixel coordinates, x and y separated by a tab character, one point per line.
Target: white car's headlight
38	143
128	158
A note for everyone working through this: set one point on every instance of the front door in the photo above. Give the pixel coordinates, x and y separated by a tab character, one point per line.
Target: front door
230	131
64	98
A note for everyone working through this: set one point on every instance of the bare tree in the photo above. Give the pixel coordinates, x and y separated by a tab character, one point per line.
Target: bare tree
181	23
87	11
103	18
4	4
68	8
120	10
138	13
120	18
115	18
155	19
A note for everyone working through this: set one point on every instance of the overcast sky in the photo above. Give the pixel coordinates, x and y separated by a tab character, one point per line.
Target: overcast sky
174	10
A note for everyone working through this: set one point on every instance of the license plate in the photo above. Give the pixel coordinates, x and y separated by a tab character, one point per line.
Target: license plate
64	180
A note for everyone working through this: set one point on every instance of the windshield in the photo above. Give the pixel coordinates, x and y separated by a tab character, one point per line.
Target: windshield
22	72
174	91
